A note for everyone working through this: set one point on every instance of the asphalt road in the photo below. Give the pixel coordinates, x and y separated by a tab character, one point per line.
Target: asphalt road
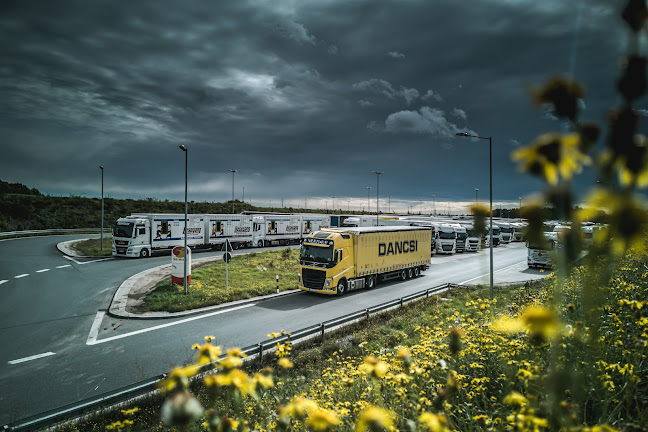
50	304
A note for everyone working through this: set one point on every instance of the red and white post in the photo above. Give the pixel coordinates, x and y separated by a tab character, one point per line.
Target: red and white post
277	284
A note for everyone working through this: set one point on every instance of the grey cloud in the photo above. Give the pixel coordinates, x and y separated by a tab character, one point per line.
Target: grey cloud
382	87
425	121
431	95
363	103
333	49
296	31
396	55
459	113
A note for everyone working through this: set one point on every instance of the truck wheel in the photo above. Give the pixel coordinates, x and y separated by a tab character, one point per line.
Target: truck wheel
403	275
371	281
260	243
417	272
410	273
341	287
144	253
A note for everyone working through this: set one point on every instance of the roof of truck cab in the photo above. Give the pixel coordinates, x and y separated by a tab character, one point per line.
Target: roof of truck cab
360	230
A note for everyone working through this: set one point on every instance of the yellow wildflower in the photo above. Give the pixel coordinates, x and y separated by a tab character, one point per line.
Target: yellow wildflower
433	422
179	377
375	419
374	367
321	420
285	363
130	412
516	399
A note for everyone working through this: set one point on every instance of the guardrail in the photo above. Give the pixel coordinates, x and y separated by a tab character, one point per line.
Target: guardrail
149	387
27	233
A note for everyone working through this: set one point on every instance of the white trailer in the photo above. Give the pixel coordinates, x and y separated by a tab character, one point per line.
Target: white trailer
138	235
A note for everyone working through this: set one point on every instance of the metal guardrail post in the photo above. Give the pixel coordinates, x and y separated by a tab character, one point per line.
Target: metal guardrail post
401	302
322	331
260	353
367	314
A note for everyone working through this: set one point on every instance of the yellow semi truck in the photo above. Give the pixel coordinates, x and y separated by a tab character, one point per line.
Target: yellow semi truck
337	260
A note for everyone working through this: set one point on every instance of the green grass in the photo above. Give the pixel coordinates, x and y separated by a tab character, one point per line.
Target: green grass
249	276
91	247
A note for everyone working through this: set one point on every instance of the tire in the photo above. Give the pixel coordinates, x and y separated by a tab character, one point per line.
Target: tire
267	243
410	273
371	281
235	246
144	253
341	287
417	272
403	275
260	243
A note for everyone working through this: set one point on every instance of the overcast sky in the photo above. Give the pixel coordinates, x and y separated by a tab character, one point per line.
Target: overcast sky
303	98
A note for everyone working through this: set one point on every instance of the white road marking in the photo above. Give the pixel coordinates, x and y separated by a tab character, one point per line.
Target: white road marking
21	276
92	338
34	357
94	330
43	270
3	281
63	266
87	262
486	274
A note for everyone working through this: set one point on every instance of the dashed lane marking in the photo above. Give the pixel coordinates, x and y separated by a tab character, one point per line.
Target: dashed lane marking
42	270
34	357
3	281
21	275
92	337
63	266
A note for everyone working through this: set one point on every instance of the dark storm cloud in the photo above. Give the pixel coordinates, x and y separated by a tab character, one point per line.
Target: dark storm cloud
303	99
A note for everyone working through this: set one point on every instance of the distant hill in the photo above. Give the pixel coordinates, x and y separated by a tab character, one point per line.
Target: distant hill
16	188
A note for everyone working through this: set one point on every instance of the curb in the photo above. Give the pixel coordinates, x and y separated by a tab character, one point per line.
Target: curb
142	283
67	248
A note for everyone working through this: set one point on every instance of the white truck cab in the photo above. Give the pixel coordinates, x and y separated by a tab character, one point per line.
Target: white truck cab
132	237
446	240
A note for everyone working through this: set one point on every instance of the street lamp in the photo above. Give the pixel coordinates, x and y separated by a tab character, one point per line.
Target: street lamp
102	207
333	206
490	164
476	196
377	193
233	172
520	212
186	152
368	198
348	205
434	201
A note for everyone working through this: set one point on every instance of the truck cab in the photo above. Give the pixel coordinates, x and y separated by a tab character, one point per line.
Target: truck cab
446	240
132	237
462	237
320	252
539	254
506	232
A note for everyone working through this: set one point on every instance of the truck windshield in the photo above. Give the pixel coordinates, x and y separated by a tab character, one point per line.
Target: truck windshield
323	254
548	245
506	230
472	233
447	235
462	236
123	229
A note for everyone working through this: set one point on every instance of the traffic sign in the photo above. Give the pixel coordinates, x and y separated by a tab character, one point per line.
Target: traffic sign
228	246
227	257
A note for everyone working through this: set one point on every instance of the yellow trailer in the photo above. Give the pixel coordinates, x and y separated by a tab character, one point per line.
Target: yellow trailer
334	261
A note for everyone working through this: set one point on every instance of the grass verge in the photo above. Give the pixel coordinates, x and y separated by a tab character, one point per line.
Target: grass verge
92	247
249	275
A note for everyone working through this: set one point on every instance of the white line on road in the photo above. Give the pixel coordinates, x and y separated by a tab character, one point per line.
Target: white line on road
34	357
92	337
87	262
21	276
43	270
486	274
63	266
3	281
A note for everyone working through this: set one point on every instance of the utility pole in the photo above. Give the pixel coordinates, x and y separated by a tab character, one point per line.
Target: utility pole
186	152
233	171
102	207
377	194
368	199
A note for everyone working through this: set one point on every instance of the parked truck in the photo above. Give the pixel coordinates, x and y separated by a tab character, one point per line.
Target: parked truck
446	241
139	235
334	261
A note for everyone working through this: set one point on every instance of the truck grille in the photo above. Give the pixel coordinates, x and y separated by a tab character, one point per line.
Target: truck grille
313	279
447	247
121	251
121	242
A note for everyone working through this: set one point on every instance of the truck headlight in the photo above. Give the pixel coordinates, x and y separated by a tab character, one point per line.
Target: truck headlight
327	284
300	279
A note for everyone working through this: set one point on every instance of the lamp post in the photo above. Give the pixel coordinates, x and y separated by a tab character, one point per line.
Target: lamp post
333	206
490	164
434	202
520	212
184	281
389	205
233	172
368	198
102	207
377	193
476	196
